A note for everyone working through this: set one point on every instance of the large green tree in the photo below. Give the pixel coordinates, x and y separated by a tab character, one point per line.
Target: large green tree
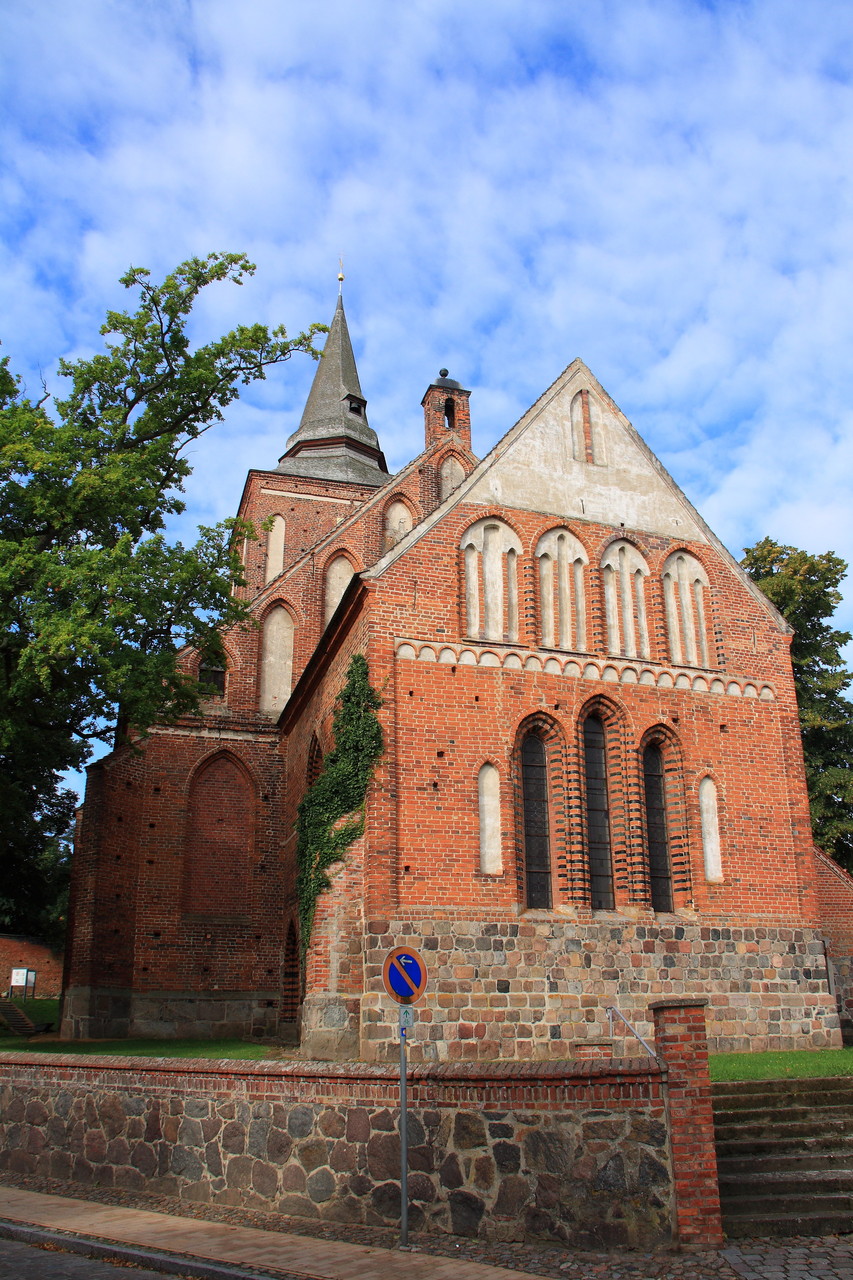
805	588
95	601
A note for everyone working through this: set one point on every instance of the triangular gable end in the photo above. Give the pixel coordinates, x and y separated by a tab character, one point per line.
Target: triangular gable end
575	455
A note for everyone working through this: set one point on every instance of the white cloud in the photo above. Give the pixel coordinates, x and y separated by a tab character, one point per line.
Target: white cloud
661	188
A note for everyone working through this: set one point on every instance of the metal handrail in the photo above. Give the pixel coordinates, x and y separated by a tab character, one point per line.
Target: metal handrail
613	1011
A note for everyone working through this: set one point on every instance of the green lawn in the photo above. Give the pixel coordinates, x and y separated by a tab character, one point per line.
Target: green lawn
796	1063
48	1011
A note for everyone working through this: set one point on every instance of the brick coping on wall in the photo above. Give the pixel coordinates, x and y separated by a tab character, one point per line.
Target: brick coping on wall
568	1069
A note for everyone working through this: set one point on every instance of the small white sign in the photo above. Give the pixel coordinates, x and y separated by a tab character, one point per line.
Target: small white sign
23	978
407	1016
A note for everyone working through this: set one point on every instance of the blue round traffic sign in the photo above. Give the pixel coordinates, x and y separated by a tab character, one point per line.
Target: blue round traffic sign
404	974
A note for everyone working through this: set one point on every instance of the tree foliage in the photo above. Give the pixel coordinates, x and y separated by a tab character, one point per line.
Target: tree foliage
331	814
804	589
95	601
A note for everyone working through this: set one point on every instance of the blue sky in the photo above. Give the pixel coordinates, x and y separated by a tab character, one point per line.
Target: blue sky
663	189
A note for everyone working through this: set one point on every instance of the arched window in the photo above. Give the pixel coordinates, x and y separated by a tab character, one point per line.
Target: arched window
339	574
275	549
562	599
625	572
535	822
685	592
598	848
219	839
709	814
657	834
489	803
451	473
211	676
491	552
276	660
398	522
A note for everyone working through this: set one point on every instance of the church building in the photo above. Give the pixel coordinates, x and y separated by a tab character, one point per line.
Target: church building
591	794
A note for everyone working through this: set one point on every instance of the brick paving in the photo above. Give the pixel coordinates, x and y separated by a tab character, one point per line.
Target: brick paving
374	1250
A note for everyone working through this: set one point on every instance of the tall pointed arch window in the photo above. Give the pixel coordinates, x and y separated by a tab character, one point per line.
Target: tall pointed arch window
276	661
587	433
685	592
562	562
657	831
625	572
535	822
491	550
597	804
275	549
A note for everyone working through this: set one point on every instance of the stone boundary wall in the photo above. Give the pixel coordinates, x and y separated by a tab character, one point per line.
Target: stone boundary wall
576	1152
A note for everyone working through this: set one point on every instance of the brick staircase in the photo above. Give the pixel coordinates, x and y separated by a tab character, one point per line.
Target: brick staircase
785	1156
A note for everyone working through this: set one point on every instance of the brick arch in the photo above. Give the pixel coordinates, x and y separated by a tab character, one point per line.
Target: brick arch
392	532
614	722
219	839
334	585
664	737
550	732
447	479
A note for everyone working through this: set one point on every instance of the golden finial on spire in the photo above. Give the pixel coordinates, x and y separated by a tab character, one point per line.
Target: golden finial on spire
341	276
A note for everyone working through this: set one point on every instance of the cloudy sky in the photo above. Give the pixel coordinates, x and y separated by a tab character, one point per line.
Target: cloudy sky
663	188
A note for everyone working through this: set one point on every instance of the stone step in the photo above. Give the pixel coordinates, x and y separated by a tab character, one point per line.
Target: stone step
779	1145
777	1225
743	1094
785	1161
786	1115
794	1132
799	1184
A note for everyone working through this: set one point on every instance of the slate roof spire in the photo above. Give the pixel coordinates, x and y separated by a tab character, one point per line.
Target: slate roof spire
334	440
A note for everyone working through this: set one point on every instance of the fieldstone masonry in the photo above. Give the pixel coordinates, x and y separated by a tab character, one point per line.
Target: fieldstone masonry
540	989
579	1153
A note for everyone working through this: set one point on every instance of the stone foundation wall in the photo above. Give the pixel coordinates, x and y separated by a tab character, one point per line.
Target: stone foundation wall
580	1153
842	979
539	989
104	1013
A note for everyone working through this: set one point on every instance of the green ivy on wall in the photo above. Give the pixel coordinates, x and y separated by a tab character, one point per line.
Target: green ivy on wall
322	837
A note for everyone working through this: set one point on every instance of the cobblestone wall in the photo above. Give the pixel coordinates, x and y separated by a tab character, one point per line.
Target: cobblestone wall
540	989
578	1154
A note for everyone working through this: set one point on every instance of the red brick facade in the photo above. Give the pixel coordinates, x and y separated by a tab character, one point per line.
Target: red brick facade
592	790
18	952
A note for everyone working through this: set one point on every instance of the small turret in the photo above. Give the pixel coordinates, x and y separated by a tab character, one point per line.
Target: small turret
446	410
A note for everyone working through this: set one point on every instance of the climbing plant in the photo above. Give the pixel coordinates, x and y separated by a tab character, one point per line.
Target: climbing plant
331	814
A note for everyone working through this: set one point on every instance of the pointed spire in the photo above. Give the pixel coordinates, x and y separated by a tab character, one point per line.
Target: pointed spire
334	440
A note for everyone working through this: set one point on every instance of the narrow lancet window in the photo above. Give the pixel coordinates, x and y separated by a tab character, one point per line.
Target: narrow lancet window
710	830
537	854
275	548
597	816
489	798
657	836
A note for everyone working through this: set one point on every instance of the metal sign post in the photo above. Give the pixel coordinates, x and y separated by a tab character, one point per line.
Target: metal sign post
405	976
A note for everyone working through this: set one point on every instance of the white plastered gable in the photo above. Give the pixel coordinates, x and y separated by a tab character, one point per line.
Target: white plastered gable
537	467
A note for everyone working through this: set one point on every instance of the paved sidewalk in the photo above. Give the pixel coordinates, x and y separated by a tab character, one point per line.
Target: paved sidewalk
205	1249
245	1248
